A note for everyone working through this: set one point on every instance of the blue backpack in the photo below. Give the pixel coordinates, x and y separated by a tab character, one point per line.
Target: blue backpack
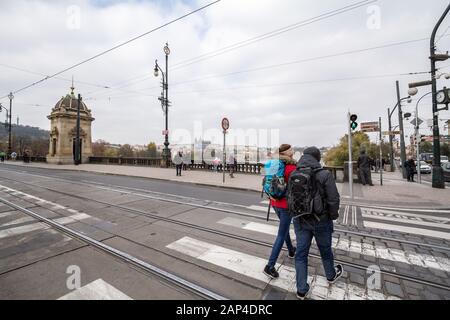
273	183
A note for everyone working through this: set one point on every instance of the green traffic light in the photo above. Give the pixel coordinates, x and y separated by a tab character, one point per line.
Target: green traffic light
354	125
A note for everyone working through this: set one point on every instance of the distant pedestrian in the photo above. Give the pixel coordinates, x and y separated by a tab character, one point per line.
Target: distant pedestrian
410	167
287	164
312	192
364	163
2	156
13	156
26	157
216	163
231	164
178	161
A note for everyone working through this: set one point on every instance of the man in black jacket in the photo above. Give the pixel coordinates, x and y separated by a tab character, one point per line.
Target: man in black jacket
319	226
364	165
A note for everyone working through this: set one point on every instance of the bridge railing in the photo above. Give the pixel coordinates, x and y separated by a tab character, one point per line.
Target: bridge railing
247	168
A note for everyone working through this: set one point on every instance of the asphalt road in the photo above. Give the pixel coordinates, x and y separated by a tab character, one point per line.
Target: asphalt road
221	250
240	197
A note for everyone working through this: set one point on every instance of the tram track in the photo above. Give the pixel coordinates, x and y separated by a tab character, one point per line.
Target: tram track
231	235
177	199
123	256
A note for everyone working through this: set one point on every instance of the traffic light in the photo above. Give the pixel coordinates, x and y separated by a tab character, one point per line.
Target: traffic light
353	123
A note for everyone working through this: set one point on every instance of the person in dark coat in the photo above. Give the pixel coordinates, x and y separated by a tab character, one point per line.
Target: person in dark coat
308	227
178	160
410	167
364	163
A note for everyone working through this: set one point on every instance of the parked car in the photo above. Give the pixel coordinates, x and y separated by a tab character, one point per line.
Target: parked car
446	167
425	167
444	159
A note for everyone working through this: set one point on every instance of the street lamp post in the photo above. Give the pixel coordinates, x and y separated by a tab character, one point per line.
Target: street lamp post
402	135
416	133
165	102
77	140
390	113
438	174
11	97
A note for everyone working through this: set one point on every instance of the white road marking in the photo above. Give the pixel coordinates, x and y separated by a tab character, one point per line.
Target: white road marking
22	229
257	208
17	221
38	225
252	266
7	214
415	222
354	218
415	216
405	229
254	226
408	257
73	218
96	290
345	219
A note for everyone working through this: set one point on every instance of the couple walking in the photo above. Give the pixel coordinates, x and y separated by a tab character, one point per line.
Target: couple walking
318	225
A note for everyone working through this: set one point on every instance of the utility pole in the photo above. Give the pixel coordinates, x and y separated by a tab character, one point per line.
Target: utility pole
11	97
381	151
77	141
391	143
166	139
402	133
350	163
438	174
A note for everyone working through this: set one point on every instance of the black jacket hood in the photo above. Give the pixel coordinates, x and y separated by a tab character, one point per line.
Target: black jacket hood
308	161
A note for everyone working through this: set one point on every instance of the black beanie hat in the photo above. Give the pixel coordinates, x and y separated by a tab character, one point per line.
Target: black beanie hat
313	151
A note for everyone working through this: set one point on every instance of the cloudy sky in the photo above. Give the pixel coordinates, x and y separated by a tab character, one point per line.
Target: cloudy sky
296	77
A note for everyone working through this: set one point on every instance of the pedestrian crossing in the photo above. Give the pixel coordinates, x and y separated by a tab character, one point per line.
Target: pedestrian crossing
362	248
96	290
348	214
413	222
25	224
407	222
252	266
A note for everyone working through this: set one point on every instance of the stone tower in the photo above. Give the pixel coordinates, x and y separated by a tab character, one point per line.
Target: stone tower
63	132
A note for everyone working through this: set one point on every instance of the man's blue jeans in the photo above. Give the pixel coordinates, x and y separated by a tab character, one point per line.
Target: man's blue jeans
282	236
305	231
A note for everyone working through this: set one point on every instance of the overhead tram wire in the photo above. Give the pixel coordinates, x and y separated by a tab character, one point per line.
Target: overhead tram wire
58	78
271	34
400	43
280	84
111	49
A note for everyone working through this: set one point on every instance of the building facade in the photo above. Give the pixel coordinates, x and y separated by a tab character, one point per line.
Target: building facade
63	131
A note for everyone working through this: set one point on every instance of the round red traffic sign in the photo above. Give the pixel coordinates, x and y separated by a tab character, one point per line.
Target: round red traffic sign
225	124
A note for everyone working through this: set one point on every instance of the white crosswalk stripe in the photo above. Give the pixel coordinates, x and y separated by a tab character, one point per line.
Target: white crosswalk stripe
96	290
14	226
413	223
363	248
252	266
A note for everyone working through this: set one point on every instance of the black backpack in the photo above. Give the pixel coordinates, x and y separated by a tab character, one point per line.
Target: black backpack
305	195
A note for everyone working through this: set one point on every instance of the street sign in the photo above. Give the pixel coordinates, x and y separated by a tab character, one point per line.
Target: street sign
225	124
393	133
370	127
419	121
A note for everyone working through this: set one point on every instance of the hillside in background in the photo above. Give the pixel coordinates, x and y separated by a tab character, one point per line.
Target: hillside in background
33	139
23	131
